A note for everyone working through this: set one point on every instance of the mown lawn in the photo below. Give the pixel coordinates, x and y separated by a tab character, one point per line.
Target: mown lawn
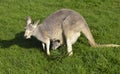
20	56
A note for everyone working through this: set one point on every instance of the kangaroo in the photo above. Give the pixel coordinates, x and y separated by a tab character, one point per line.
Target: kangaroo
55	44
63	26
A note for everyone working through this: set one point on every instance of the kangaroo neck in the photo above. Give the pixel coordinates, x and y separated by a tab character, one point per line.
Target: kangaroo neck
39	34
34	31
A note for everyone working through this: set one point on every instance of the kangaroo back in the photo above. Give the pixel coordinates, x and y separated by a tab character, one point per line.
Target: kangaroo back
52	24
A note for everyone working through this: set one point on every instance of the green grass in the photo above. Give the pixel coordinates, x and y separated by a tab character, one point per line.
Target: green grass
20	56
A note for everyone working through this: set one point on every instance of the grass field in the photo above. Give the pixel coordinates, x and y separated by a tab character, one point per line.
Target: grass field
20	56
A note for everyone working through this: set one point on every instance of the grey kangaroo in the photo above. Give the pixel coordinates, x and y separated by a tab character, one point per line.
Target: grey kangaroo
63	26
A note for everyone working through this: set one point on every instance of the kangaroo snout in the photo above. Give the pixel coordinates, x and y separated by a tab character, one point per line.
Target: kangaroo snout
26	37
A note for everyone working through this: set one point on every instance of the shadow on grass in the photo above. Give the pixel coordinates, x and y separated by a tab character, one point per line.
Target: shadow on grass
21	42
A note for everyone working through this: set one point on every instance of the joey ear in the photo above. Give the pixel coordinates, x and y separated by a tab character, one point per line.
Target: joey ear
28	20
58	41
36	22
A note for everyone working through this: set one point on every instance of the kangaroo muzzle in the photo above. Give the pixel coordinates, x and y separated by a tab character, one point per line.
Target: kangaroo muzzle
27	35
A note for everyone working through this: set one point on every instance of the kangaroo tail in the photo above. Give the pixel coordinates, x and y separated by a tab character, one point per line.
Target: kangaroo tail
88	35
106	45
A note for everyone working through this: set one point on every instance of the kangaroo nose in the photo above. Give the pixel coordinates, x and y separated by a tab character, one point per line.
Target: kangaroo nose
25	36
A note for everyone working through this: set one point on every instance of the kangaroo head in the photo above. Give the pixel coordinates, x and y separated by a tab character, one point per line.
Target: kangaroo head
30	27
55	44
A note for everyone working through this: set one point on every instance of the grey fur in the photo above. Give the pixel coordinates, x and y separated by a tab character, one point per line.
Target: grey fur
64	25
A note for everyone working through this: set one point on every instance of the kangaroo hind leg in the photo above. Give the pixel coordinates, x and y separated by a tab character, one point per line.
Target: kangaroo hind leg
70	41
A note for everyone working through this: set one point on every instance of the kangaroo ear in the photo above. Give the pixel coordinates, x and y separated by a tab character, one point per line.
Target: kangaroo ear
36	22
28	20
